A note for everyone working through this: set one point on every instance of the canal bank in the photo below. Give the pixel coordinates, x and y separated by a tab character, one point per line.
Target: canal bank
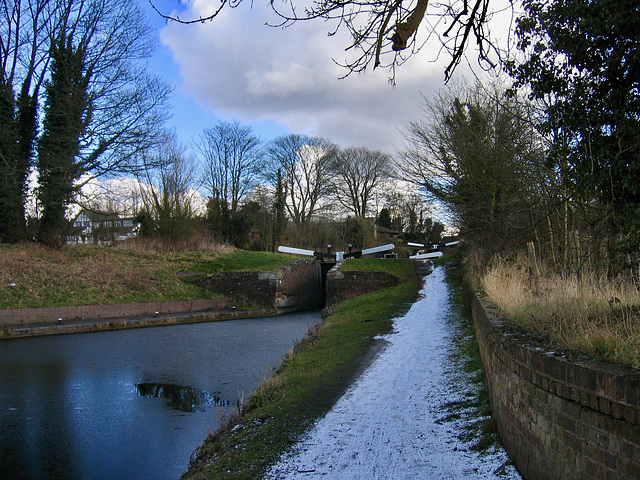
301	285
410	420
294	287
77	324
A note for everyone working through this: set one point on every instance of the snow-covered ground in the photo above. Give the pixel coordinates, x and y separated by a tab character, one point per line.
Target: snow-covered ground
389	423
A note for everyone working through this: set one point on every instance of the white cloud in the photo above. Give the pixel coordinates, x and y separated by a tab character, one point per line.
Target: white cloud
279	81
242	69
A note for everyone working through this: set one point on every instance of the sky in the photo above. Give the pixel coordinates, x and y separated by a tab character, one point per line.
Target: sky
282	81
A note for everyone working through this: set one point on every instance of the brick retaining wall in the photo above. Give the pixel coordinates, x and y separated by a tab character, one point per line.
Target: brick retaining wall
293	287
299	286
559	418
242	288
344	285
19	316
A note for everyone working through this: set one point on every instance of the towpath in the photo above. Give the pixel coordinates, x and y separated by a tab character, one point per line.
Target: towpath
392	423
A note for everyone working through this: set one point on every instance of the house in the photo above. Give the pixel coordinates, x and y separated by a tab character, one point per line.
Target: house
101	228
386	234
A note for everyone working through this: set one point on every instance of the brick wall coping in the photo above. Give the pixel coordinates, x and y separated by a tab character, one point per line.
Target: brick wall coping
559	416
592	383
23	316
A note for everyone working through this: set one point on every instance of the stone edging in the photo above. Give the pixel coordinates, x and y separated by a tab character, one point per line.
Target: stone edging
121	324
26	316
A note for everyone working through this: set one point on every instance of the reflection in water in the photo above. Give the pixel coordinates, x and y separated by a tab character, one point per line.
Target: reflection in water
186	399
70	408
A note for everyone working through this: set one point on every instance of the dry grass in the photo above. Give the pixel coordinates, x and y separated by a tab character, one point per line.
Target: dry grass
589	316
34	276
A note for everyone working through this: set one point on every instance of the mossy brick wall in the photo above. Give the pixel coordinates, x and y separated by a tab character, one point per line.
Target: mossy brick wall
21	316
559	418
294	287
299	286
344	285
243	288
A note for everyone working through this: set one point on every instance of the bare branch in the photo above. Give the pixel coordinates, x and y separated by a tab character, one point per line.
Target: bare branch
405	30
208	18
385	33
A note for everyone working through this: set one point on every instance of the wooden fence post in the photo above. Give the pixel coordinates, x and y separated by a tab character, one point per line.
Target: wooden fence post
535	273
576	254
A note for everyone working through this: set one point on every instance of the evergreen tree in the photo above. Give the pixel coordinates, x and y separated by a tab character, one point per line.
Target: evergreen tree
7	162
26	125
64	120
384	218
279	218
17	132
582	56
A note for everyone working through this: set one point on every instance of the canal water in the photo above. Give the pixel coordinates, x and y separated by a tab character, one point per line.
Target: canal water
131	403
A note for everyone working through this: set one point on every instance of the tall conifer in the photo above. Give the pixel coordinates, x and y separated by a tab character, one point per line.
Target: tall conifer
65	114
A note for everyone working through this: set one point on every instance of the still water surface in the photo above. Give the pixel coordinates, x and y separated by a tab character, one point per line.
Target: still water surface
131	403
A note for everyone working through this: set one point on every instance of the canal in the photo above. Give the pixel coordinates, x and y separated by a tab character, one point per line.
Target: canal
130	403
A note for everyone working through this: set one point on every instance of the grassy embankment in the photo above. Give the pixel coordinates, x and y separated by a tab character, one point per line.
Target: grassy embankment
480	428
311	378
34	276
586	315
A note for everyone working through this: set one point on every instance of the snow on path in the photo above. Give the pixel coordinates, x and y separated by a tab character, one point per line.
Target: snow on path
386	425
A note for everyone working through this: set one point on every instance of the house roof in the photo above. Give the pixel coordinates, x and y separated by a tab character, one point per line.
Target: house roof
96	216
382	229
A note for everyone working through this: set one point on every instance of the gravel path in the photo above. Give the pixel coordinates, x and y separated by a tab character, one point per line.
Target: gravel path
389	423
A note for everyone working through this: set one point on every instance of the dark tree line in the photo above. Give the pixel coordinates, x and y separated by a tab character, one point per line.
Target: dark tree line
554	156
477	151
582	61
294	185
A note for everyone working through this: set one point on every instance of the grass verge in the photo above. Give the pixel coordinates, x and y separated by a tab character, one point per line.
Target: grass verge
238	260
35	276
481	429
403	269
586	316
309	381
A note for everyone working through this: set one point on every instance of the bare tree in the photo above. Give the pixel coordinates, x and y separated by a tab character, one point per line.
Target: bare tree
231	160
386	32
231	165
357	173
168	194
128	106
304	163
123	106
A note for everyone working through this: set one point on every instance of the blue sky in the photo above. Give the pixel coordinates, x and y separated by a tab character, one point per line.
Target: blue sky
282	81
189	116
